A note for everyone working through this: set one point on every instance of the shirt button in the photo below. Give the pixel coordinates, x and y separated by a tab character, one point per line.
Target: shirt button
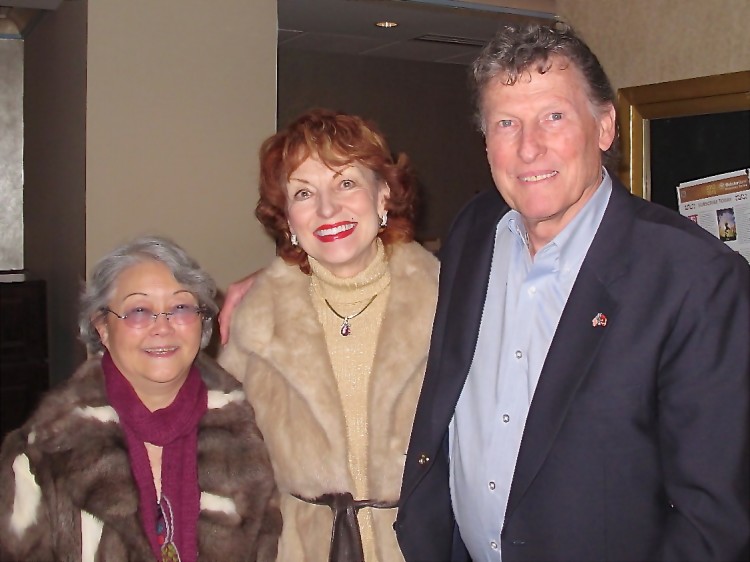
492	485
532	290
506	418
493	544
519	353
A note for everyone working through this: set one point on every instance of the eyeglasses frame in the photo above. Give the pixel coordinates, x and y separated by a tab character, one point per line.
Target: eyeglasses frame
199	310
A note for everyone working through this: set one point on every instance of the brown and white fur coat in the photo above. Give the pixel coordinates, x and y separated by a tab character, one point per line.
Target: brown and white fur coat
67	493
277	349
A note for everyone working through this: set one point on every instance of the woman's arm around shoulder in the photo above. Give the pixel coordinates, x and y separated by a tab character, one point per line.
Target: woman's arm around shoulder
252	322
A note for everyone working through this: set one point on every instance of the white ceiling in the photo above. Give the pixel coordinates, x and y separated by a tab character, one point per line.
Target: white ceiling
458	28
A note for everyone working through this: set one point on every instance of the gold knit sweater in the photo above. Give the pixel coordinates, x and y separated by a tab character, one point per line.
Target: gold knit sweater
352	358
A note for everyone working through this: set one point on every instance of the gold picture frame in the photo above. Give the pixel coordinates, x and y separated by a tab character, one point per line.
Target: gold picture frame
637	105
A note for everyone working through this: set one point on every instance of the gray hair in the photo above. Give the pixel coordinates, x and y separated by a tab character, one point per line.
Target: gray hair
519	50
98	292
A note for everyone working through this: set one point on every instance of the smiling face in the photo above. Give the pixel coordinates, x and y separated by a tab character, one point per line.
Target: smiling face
335	213
155	359
544	143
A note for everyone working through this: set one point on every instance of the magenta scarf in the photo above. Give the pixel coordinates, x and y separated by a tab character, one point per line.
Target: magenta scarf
175	429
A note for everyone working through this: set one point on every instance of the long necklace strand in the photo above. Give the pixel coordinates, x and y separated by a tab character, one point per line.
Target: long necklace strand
346	327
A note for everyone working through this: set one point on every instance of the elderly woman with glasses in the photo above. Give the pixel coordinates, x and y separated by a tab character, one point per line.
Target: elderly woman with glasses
149	451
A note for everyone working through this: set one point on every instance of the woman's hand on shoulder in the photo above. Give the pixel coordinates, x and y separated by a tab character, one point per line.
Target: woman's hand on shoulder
235	293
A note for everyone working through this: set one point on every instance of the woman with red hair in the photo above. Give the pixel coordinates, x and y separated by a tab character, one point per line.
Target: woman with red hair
331	340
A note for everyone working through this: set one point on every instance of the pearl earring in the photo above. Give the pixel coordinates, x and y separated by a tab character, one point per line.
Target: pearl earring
384	220
293	240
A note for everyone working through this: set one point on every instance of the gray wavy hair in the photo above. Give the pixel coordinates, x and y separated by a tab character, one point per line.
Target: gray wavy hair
98	291
517	50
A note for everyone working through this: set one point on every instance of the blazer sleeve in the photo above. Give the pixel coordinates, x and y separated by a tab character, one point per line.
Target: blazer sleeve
704	417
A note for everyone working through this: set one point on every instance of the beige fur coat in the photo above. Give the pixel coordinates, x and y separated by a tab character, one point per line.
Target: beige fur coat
277	350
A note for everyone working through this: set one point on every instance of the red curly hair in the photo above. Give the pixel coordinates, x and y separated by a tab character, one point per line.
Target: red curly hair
336	139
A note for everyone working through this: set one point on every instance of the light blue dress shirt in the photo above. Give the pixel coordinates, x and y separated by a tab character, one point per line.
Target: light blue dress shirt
524	303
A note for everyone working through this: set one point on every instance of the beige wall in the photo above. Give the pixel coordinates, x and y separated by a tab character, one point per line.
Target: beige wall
648	41
180	95
144	116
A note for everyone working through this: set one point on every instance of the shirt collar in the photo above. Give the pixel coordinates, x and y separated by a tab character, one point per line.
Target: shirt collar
574	240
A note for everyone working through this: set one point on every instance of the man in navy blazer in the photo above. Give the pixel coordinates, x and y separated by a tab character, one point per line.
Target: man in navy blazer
587	391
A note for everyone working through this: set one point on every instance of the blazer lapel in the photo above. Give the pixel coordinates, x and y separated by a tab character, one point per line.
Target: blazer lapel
576	341
460	324
567	364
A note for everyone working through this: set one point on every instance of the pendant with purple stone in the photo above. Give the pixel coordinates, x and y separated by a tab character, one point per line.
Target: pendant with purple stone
346	328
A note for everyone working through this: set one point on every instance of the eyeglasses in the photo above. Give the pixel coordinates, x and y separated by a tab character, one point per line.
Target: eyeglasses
142	317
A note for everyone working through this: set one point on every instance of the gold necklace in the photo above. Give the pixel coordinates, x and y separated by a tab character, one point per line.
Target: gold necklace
346	327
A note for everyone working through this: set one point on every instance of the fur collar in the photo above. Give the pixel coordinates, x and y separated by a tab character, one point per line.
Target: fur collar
276	335
75	435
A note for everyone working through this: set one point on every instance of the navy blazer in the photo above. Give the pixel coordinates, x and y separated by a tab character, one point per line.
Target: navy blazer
636	445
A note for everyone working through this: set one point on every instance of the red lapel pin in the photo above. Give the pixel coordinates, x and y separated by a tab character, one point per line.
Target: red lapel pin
599	320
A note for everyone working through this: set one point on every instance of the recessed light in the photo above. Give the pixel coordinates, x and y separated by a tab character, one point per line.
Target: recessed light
386	24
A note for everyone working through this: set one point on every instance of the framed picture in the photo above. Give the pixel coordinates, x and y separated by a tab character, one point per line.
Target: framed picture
678	131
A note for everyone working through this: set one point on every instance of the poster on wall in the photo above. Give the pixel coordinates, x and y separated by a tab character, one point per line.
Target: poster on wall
721	205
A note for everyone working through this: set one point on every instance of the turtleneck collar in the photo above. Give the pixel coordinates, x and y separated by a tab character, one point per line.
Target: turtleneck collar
371	280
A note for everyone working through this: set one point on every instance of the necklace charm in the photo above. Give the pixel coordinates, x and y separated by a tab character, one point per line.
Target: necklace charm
346	327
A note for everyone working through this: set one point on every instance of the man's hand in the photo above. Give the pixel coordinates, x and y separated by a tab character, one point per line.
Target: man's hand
235	292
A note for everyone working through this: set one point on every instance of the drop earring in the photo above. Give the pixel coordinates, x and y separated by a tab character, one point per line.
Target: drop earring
384	220
293	239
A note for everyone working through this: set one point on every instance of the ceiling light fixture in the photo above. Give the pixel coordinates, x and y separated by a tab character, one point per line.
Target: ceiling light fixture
386	24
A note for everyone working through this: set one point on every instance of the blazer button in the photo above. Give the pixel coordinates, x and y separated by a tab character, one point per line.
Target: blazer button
423	459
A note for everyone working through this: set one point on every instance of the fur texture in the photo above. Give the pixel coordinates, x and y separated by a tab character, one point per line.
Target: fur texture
79	461
277	350
27	498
